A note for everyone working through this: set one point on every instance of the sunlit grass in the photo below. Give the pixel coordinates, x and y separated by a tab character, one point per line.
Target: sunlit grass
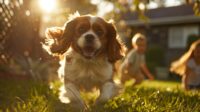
161	84
156	96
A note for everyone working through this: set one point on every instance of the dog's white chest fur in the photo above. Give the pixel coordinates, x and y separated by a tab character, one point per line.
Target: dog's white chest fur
86	73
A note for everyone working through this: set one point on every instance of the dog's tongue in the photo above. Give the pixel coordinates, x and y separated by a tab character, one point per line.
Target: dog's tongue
88	52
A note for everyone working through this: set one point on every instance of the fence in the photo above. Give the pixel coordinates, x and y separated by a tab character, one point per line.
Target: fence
19	29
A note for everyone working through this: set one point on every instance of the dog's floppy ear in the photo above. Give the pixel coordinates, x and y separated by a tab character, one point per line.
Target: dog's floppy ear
59	39
114	47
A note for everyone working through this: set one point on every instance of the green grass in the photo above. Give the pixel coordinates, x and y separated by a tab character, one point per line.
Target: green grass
155	96
28	96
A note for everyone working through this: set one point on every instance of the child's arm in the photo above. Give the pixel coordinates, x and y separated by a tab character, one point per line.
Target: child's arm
185	78
185	83
147	72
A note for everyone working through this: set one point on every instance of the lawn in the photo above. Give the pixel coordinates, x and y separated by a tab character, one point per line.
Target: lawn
156	96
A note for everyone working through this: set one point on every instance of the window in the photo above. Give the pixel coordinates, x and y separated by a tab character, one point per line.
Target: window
178	35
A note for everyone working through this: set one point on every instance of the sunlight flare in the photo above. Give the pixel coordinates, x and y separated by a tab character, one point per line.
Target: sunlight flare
141	6
47	5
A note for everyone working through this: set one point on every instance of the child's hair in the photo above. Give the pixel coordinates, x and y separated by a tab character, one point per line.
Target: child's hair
138	37
179	66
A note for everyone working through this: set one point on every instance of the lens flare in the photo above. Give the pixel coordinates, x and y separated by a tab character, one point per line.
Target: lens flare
47	5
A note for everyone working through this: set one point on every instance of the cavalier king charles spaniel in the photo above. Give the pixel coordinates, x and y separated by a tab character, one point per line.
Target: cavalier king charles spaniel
89	48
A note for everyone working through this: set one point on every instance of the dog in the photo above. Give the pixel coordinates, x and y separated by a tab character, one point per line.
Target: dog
89	47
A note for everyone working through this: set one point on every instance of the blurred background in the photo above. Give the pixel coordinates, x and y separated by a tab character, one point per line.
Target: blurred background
170	27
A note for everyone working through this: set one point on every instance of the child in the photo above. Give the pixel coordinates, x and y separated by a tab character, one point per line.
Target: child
188	66
134	65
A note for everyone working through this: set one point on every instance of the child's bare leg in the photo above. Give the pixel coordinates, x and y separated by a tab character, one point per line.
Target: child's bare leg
138	78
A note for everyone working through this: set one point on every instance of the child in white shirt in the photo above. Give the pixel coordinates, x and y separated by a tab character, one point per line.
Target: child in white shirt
134	65
188	66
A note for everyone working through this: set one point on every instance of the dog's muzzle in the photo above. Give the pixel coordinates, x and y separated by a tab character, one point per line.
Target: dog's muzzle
89	49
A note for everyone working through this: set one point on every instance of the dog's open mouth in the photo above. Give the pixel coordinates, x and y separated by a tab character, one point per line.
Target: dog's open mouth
89	51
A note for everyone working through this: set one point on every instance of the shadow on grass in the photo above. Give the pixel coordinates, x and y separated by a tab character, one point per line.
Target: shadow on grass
29	96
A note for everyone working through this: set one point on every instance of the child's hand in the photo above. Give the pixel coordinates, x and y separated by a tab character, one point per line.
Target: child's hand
185	87
151	77
126	71
128	65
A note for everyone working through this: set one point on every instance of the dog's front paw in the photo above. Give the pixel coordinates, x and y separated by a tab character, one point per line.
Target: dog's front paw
77	106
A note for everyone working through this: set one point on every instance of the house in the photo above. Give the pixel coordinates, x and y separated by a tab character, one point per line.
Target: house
168	27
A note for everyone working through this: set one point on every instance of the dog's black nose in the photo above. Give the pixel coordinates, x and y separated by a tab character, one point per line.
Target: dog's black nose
89	38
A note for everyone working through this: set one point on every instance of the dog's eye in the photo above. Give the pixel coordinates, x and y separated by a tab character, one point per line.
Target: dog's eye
99	32
82	30
98	29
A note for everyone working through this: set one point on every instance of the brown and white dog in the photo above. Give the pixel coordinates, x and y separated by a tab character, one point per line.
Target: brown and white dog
89	48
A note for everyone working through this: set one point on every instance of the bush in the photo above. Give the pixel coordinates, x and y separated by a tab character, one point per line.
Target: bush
154	57
191	39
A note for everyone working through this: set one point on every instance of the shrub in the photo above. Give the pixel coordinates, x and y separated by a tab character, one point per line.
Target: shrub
191	38
154	57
